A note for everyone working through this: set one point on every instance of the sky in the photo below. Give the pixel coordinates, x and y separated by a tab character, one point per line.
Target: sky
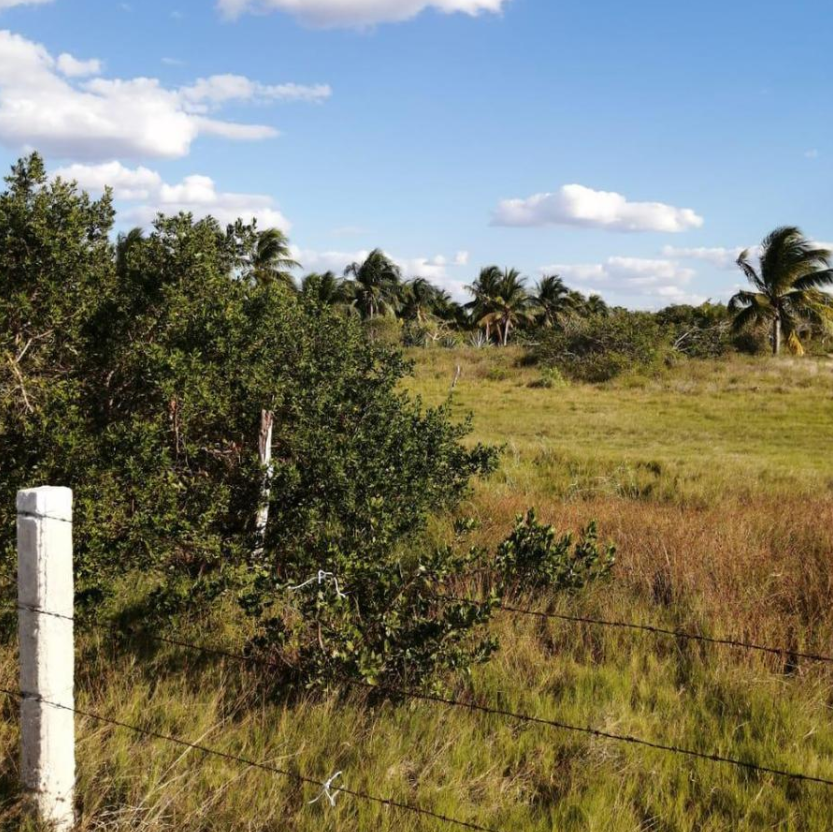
633	148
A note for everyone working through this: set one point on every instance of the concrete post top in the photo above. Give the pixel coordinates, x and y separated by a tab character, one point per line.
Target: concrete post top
49	501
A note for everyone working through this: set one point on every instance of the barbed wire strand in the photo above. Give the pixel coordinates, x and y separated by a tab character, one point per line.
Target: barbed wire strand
213	752
486	709
648	628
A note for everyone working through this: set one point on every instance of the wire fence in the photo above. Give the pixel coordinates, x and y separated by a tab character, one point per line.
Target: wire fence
471	706
326	786
648	628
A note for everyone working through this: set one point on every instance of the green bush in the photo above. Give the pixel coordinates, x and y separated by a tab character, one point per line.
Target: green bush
534	557
549	378
137	377
597	349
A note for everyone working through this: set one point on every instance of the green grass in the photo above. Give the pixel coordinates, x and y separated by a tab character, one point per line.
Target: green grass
713	478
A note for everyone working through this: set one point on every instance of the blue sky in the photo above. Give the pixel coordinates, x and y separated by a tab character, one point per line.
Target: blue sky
634	148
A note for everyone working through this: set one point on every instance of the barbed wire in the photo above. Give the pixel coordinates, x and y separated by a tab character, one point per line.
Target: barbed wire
325	785
473	706
486	709
648	628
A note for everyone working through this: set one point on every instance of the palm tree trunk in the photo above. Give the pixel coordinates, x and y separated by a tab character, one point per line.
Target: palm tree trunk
488	332
776	335
506	333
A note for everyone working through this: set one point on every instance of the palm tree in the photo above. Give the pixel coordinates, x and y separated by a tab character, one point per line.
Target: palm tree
271	261
554	300
418	299
325	288
484	290
375	286
507	304
124	243
787	287
595	306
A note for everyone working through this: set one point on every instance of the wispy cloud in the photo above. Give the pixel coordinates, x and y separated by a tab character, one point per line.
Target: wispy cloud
356	13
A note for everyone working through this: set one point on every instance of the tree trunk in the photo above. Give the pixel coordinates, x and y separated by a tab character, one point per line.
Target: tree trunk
488	332
776	335
506	333
264	447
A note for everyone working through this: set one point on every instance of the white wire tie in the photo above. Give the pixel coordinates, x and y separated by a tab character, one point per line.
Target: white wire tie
327	791
320	578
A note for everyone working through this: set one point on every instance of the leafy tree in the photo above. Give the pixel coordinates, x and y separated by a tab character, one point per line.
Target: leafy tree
271	260
375	284
787	288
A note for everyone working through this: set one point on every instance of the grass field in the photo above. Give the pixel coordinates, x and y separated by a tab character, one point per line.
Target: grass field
714	479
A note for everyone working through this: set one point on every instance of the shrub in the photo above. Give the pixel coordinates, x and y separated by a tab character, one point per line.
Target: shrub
534	557
549	378
597	349
139	381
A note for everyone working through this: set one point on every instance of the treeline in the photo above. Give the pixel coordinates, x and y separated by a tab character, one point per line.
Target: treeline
786	303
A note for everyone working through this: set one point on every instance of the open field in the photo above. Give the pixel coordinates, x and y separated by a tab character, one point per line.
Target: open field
714	479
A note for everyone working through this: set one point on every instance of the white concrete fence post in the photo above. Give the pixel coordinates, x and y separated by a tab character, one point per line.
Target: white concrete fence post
47	660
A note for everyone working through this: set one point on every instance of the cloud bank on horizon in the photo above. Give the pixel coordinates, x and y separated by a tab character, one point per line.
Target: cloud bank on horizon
356	13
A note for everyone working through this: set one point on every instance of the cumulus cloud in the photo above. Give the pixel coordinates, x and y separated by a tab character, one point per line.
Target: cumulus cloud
195	194
356	13
659	282
127	183
582	206
101	118
72	67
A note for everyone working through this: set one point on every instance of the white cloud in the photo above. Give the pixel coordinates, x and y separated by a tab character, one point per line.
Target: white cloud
811	154
357	13
658	282
461	258
578	205
127	183
74	68
104	118
195	194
